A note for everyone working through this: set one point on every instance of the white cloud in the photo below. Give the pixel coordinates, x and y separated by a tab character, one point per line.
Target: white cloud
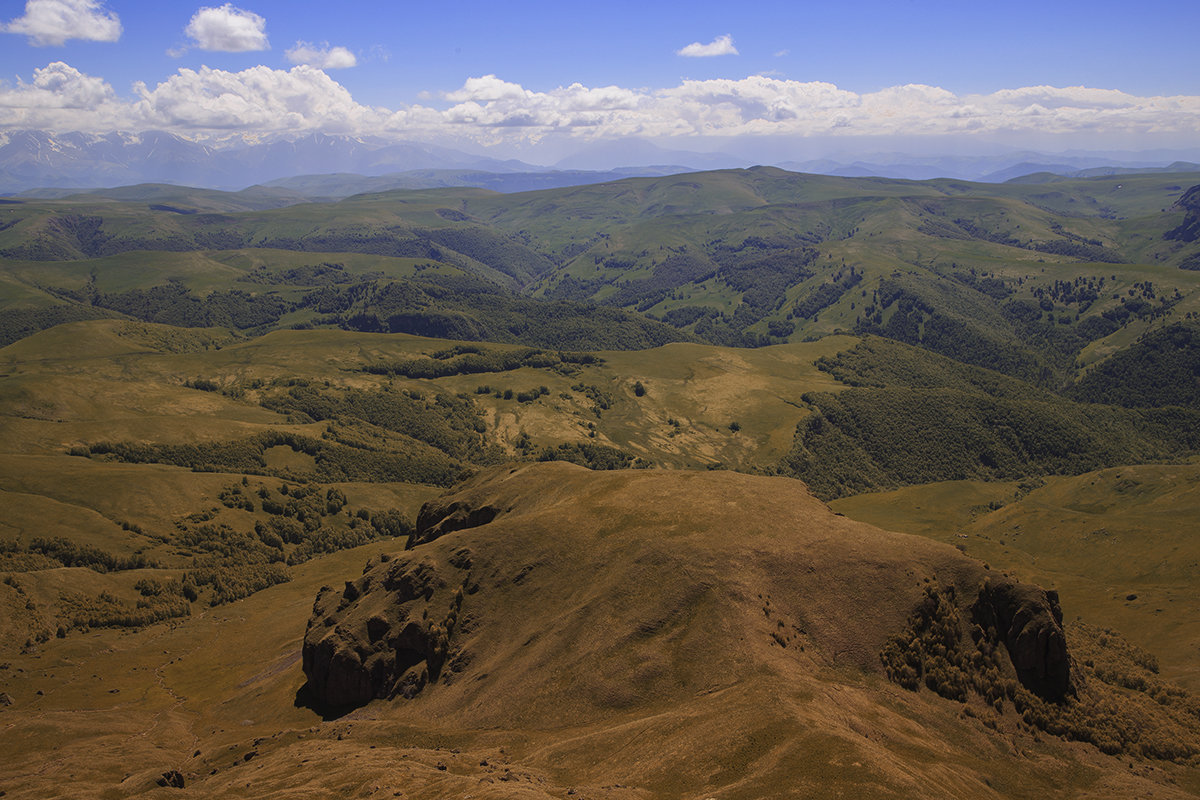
720	46
227	29
489	89
321	57
258	100
488	110
53	22
61	97
199	103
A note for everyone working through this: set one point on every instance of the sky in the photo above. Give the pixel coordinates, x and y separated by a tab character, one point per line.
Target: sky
519	78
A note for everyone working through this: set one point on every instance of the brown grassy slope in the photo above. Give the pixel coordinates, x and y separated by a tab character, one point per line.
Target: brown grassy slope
124	381
638	666
710	563
1098	537
630	601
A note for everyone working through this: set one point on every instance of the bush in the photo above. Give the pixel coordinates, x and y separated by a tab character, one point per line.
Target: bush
1119	704
72	554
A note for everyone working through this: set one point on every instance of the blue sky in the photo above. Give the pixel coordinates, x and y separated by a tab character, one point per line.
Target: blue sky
525	74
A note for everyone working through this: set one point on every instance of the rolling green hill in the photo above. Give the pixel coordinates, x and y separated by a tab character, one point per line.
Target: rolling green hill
1034	280
214	408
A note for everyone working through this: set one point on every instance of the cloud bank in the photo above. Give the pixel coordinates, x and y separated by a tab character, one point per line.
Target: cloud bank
53	22
488	110
227	29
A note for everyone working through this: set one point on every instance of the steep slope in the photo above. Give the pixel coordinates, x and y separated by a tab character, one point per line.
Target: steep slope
1160	369
672	585
617	635
554	600
1120	544
912	417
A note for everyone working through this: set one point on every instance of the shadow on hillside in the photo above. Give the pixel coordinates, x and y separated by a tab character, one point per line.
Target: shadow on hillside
306	698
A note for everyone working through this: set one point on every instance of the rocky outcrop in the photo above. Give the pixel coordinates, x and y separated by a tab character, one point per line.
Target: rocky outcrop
386	634
437	518
1028	620
172	779
1189	229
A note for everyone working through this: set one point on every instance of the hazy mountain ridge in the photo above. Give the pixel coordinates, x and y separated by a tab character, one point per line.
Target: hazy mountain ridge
31	159
36	158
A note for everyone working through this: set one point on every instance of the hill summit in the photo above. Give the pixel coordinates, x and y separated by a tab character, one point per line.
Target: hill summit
706	577
709	611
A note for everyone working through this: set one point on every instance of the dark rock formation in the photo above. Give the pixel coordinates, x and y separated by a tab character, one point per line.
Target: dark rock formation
437	518
386	634
1028	620
172	779
1189	229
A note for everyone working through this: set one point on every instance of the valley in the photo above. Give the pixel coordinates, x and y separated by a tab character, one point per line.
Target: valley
668	486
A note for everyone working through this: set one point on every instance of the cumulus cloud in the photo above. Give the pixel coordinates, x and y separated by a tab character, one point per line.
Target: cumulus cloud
259	99
200	102
227	29
61	97
53	22
489	110
720	46
321	57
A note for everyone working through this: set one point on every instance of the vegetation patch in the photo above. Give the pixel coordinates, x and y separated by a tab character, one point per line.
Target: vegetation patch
470	308
592	456
448	423
158	601
58	551
1160	369
825	295
174	304
949	320
323	274
467	359
17	323
1117	703
235	559
863	439
343	457
913	418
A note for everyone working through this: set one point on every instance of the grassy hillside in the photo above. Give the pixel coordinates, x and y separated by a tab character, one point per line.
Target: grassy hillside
212	406
1119	544
213	698
1160	369
329	408
1036	280
912	418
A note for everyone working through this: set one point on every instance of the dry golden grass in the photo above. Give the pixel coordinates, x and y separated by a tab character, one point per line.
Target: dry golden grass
653	676
1099	538
636	657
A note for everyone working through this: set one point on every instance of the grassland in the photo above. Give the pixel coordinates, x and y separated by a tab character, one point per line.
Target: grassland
213	697
739	257
205	417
